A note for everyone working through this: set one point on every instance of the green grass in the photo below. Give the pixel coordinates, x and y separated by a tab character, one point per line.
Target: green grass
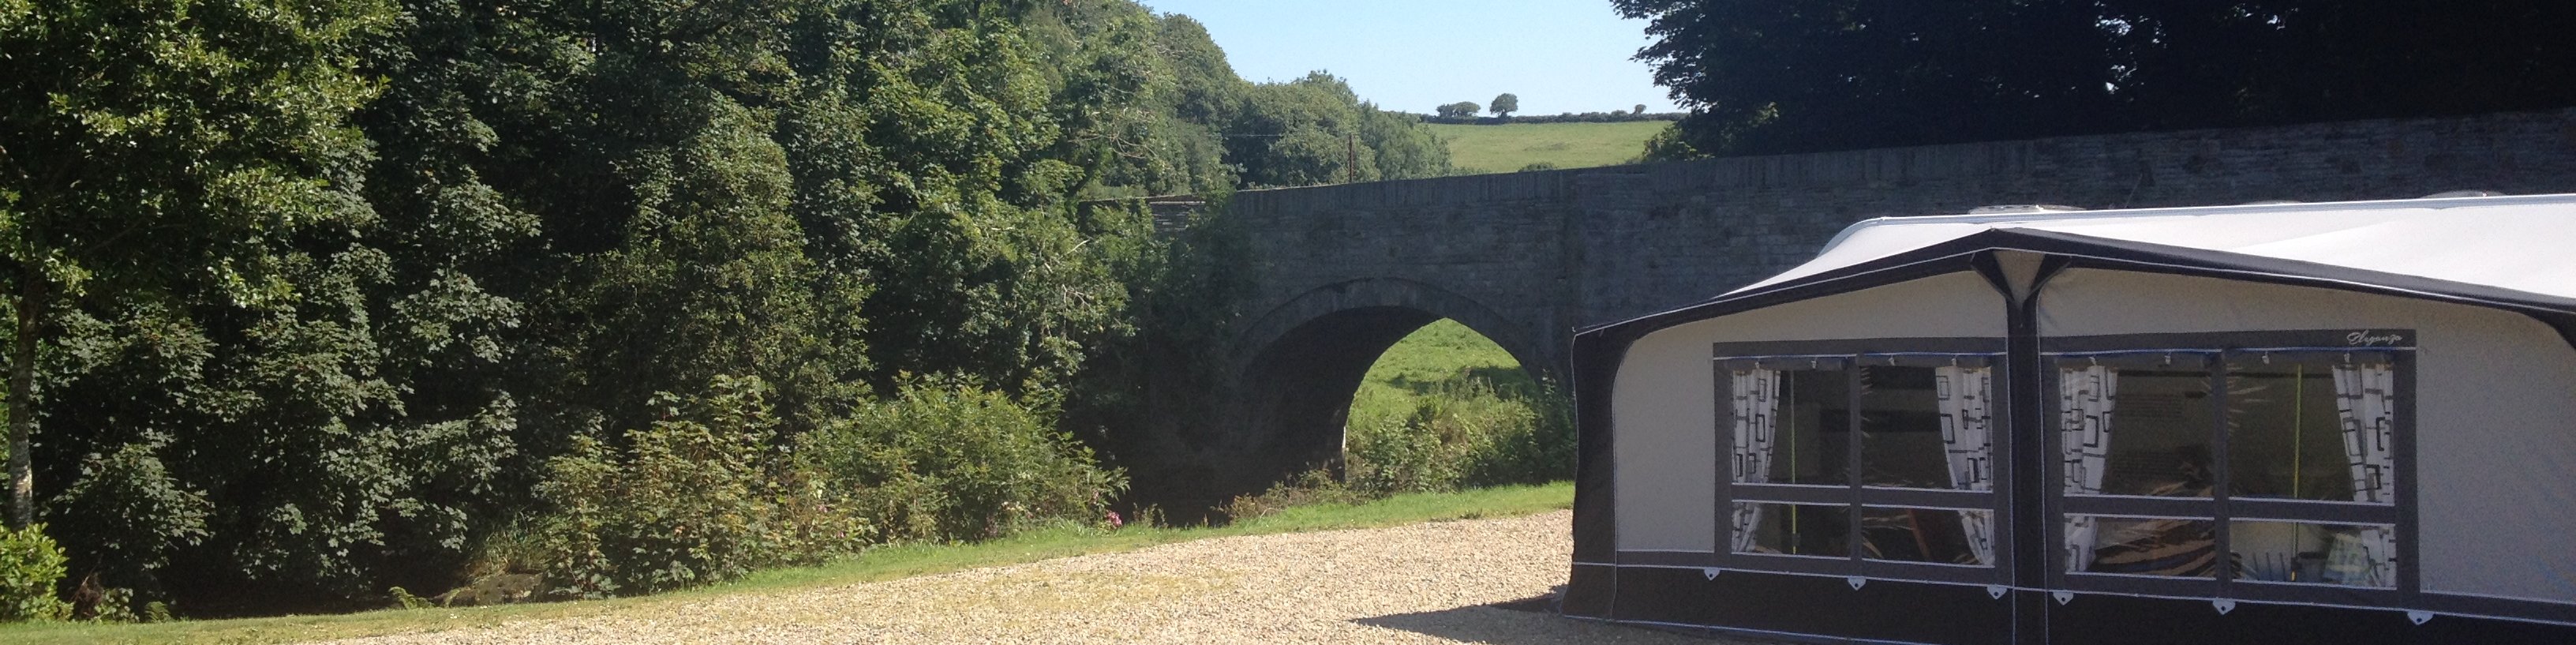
879	564
1441	352
1506	148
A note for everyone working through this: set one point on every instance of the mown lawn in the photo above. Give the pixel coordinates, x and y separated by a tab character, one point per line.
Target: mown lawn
1476	149
880	564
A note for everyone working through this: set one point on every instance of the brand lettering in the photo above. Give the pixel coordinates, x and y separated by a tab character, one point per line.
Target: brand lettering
2367	338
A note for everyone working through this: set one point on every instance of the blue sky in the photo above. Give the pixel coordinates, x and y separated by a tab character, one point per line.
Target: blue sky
1414	55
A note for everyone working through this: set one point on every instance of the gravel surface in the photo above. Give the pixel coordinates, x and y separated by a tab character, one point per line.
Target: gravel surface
1424	583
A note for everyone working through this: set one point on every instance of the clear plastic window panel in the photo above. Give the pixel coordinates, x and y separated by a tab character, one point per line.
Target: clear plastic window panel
1812	441
2350	555
2309	432
1935	535
1900	421
2136	431
1795	529
2182	547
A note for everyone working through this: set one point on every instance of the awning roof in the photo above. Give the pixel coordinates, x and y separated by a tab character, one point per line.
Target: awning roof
2511	252
2517	243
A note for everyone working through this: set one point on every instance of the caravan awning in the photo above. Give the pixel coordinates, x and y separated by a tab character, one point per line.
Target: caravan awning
2522	243
2509	252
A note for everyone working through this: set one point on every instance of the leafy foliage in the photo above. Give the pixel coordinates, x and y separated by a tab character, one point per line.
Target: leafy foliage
319	299
1505	104
701	496
1777	77
1462	434
133	512
30	566
949	460
1313	130
710	492
1153	378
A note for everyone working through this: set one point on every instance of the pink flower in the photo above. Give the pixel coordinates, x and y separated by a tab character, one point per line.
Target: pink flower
1115	521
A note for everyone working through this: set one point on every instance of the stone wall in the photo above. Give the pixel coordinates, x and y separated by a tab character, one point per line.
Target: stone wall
1526	258
1551	251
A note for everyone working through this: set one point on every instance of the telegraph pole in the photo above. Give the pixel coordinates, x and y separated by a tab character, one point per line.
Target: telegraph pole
1351	142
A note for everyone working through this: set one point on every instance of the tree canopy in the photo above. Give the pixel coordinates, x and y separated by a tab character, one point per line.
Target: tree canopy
1810	75
1505	104
306	297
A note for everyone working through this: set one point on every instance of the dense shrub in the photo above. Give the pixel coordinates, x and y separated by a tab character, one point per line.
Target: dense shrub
1309	488
1462	434
30	566
1533	449
131	514
952	460
701	496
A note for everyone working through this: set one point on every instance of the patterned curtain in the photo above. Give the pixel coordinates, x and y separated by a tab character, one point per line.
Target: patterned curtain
1967	436
2085	398
1755	398
2362	396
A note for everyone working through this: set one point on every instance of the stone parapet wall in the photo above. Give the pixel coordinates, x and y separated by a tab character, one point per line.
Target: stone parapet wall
1526	258
1555	250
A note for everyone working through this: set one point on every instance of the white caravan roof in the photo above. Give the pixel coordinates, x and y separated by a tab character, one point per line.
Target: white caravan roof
2516	243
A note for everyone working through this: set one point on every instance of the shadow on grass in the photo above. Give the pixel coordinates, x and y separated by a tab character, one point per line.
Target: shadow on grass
1507	381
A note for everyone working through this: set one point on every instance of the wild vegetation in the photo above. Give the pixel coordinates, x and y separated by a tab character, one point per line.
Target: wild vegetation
1444	409
312	302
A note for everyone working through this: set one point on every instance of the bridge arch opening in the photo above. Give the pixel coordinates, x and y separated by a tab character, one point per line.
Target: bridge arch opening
1447	407
1306	361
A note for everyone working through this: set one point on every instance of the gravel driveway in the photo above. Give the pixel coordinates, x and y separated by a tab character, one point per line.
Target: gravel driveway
1425	583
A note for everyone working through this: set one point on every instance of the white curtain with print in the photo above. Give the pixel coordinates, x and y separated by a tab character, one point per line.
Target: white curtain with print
1756	404
2085	398
2363	399
1967	437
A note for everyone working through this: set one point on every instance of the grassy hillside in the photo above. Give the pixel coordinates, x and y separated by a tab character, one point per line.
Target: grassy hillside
1440	355
1506	148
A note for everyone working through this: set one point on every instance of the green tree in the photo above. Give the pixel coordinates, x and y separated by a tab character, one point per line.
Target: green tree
307	298
1400	146
1505	104
161	151
1314	130
1809	75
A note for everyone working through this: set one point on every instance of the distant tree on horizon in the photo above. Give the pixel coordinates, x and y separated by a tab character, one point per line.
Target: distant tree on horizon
1505	105
1460	110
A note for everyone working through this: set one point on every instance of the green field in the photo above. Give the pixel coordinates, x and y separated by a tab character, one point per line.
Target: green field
1477	149
1441	353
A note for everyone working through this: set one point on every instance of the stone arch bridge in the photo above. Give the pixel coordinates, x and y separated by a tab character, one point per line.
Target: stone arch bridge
1345	271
